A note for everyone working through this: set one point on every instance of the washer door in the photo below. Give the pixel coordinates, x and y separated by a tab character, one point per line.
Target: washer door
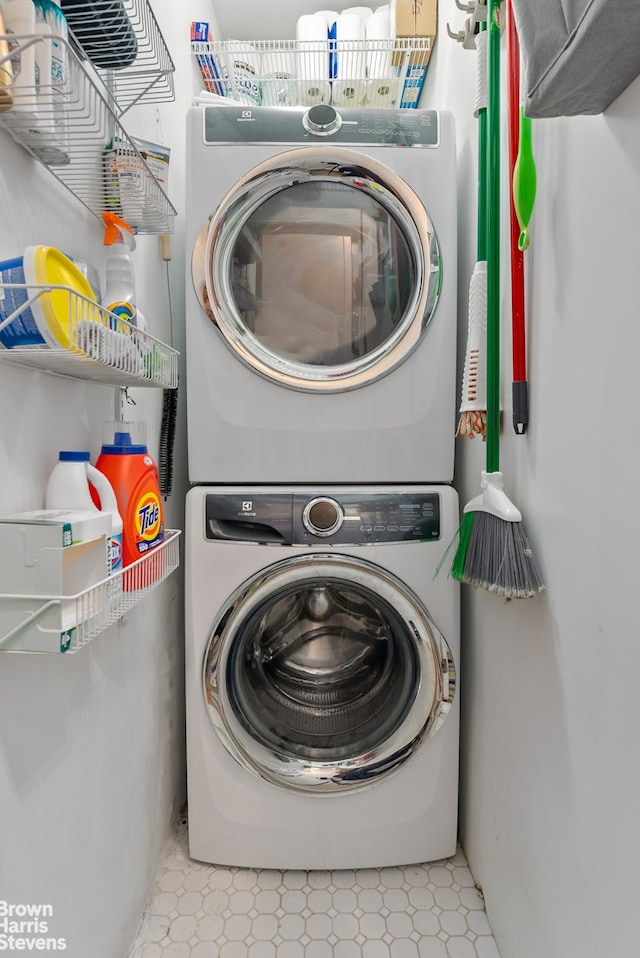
325	673
321	269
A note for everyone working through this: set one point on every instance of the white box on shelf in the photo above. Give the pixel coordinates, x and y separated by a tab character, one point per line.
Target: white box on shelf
52	563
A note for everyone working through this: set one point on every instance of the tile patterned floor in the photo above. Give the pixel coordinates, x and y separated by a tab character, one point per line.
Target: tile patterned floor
419	911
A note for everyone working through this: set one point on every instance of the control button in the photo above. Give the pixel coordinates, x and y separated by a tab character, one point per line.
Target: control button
322	120
322	516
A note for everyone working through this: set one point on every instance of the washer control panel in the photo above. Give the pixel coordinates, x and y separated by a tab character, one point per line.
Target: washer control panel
304	518
305	126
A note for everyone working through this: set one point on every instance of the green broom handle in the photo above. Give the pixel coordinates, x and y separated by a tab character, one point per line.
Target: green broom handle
482	184
493	238
482	180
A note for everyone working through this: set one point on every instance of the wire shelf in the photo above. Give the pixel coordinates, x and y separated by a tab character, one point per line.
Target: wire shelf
125	47
370	73
92	342
71	128
66	623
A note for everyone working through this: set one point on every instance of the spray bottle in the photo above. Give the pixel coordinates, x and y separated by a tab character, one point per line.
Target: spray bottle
119	295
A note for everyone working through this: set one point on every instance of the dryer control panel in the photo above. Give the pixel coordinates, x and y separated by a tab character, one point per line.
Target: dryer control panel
298	518
306	126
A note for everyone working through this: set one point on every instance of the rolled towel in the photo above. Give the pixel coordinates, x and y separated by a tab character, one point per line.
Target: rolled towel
109	347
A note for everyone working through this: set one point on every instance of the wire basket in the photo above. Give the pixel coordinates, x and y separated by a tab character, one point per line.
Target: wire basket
92	343
372	73
71	128
66	623
122	42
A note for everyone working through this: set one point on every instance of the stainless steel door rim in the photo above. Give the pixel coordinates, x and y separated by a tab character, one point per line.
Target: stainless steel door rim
213	264
395	683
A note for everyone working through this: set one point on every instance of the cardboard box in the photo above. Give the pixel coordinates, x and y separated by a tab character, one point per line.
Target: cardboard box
61	556
416	18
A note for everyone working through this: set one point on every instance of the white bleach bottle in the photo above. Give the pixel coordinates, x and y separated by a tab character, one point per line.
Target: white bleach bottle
68	488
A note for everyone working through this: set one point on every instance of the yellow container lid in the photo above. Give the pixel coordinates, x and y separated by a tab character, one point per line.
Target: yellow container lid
58	311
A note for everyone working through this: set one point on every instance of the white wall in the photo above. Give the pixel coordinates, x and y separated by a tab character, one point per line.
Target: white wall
90	754
550	766
91	747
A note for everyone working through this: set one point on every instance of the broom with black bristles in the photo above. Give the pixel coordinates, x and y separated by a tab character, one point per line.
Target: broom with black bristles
493	552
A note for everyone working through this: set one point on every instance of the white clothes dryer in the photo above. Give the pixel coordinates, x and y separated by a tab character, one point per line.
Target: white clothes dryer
321	672
321	294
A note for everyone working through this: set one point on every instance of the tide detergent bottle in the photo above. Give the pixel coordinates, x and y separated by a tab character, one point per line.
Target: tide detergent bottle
133	474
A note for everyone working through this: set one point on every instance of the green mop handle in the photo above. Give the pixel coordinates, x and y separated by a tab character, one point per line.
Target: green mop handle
493	237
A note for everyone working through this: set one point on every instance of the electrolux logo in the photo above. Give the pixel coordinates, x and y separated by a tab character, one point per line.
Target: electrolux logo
247	507
23	927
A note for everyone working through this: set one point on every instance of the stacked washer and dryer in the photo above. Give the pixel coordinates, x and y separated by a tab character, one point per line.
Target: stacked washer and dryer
322	654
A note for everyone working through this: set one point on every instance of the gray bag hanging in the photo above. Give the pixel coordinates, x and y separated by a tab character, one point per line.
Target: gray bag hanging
578	55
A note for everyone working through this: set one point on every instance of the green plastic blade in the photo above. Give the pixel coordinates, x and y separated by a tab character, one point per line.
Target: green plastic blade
524	180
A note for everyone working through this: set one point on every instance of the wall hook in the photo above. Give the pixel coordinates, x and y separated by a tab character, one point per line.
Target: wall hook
478	11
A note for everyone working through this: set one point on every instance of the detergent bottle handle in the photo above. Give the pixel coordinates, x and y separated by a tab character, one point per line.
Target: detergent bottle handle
108	501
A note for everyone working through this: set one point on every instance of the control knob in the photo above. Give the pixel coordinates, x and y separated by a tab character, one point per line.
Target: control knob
322	120
322	516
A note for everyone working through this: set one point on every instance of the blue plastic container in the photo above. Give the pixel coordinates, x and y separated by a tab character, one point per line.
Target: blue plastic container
23	330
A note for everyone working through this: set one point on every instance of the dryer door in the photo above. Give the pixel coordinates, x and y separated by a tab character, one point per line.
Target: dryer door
321	269
325	673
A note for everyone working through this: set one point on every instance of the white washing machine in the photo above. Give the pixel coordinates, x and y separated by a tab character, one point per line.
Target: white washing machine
321	294
321	671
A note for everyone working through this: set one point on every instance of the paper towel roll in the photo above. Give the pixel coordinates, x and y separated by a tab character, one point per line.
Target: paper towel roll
313	59
383	86
384	92
363	12
392	18
349	86
278	78
330	16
